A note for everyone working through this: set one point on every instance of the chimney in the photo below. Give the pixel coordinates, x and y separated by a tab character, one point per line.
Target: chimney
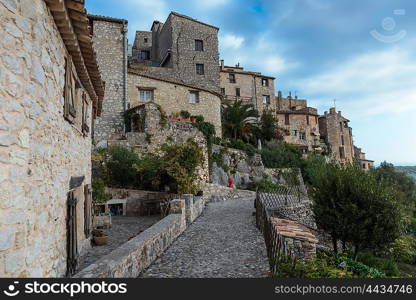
290	95
332	110
222	64
279	95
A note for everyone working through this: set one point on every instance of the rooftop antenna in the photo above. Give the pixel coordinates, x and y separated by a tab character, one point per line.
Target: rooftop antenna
335	104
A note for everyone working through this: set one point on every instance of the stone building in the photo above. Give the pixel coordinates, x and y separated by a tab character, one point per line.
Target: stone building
249	87
337	133
360	158
50	90
110	43
182	49
176	66
174	97
299	123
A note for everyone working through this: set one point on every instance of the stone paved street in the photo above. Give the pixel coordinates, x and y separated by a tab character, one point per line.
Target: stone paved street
222	243
121	230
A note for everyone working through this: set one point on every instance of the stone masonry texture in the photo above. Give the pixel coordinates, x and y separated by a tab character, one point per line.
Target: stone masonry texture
39	150
108	44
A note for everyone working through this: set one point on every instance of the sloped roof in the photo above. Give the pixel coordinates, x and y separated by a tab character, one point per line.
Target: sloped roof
70	17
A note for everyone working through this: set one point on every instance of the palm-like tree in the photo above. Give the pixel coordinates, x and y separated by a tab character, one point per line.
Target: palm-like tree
239	120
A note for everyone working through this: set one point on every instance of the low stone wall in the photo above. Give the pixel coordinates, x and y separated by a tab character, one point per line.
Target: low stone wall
130	259
301	213
216	193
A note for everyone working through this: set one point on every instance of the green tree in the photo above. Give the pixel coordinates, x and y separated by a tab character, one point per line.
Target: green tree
353	207
239	120
278	154
120	166
268	126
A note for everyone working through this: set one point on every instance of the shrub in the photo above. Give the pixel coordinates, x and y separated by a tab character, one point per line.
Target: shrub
266	185
281	155
239	144
120	165
99	195
185	114
404	249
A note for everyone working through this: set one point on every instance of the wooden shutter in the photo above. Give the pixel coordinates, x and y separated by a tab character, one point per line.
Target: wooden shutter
72	240
69	91
85	127
87	210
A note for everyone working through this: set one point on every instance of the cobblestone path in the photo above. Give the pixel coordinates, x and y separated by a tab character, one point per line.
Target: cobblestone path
222	243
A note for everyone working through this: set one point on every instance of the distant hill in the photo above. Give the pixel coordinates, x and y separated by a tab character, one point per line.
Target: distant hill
408	170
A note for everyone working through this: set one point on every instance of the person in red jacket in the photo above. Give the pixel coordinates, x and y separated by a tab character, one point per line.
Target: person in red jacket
230	181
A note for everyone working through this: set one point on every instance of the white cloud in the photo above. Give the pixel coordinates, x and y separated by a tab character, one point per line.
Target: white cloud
231	41
368	84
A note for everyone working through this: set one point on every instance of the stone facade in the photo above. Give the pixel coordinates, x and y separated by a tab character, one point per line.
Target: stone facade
360	158
249	87
155	133
110	43
40	151
175	53
334	128
299	123
174	97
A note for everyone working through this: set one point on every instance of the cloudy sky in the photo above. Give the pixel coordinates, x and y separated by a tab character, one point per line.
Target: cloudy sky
361	53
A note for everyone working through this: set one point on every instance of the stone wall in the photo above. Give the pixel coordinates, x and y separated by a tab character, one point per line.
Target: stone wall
39	150
156	134
109	45
131	258
174	97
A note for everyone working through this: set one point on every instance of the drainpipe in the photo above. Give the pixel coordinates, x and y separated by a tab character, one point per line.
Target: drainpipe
125	49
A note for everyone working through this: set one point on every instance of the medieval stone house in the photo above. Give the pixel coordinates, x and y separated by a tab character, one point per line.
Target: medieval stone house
249	87
361	159
337	133
50	90
299	123
176	65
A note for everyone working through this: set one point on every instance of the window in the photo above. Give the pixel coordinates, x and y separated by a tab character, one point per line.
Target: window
341	152
223	91
145	40
199	45
231	77
307	120
294	132
144	54
342	140
146	95
237	92
302	135
265	82
70	92
287	120
193	97
266	99
200	69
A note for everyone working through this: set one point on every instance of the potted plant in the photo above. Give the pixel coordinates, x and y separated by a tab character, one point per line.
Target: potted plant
99	237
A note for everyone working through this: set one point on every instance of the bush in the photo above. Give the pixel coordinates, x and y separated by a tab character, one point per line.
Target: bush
403	249
265	185
98	187
240	145
281	155
185	114
120	166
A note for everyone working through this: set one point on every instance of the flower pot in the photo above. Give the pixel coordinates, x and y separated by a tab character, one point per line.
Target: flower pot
100	240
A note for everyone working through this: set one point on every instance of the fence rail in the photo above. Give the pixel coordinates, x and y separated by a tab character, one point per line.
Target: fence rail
265	201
